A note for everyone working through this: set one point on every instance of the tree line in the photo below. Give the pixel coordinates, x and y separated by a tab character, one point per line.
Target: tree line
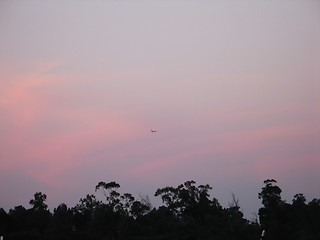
188	213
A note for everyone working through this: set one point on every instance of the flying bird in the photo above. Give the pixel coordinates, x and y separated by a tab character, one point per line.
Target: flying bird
153	131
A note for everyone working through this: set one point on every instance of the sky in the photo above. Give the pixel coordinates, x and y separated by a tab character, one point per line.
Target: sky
232	88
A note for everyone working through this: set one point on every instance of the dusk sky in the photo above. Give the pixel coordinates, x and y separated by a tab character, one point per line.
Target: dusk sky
232	88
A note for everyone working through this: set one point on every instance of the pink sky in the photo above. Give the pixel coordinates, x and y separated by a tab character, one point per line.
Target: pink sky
231	88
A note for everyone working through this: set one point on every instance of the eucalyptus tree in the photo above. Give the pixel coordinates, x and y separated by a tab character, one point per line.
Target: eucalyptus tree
39	215
118	210
272	215
185	198
38	203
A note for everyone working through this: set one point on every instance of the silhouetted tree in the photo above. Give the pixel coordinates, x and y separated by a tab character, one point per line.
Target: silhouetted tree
271	214
110	193
39	215
38	203
287	221
184	198
62	222
188	213
84	215
313	223
18	218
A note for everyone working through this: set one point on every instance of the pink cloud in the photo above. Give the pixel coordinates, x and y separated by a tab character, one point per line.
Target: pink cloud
20	97
49	156
255	152
46	137
53	130
155	169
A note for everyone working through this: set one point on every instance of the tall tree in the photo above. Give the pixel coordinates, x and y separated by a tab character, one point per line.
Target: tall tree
110	193
185	197
272	214
39	216
38	203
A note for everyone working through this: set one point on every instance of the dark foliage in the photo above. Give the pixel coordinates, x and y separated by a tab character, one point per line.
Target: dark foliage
288	221
189	213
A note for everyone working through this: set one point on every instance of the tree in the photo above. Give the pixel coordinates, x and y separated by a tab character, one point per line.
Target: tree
38	203
84	212
196	215
138	209
313	224
63	218
272	215
299	200
87	205
185	197
270	194
18	218
4	222
110	193
39	215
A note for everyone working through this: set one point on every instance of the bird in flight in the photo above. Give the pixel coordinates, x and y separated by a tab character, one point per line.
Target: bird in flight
153	131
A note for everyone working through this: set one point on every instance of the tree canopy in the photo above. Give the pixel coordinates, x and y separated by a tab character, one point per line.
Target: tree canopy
189	212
